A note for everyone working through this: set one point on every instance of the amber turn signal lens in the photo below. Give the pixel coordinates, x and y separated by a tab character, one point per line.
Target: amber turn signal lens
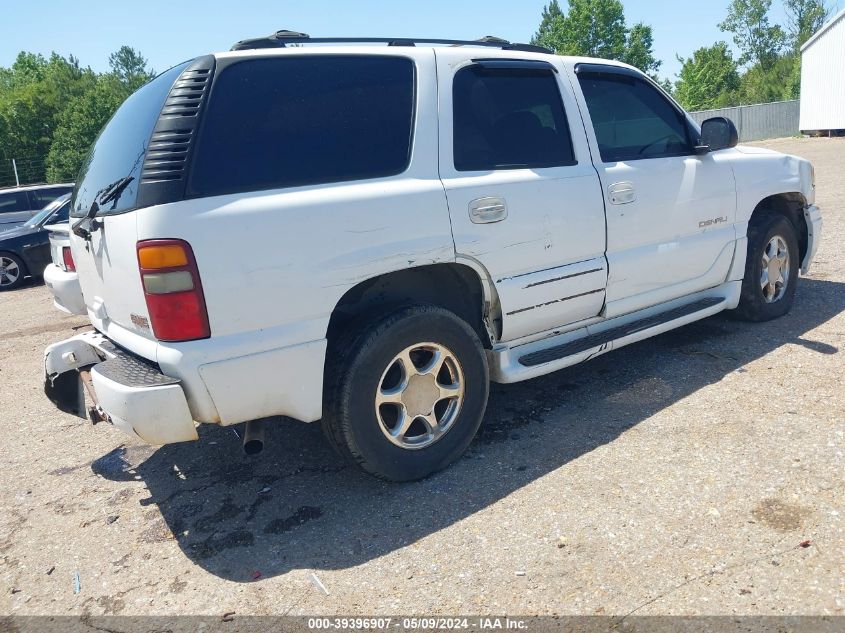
163	256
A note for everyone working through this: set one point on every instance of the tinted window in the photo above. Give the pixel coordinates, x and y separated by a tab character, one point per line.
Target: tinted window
119	150
61	215
43	197
508	119
632	120
289	121
15	201
63	203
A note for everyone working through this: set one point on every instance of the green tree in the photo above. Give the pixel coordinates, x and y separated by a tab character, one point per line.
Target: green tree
596	28
804	17
760	43
34	92
709	79
550	24
79	126
779	81
639	49
130	67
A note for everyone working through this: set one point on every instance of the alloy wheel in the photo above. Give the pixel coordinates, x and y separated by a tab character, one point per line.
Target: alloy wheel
774	277
419	395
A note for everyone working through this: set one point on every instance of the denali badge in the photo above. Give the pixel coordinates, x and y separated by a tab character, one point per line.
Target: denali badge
140	321
705	223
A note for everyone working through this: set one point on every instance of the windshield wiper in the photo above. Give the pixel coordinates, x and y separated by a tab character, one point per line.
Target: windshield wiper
112	192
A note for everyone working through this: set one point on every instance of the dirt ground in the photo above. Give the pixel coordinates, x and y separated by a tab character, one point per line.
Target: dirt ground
700	472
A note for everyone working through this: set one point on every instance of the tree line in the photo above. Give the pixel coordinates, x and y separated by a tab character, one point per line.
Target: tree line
51	110
767	68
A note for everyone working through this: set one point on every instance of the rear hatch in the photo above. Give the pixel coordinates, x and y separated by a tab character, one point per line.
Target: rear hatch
103	215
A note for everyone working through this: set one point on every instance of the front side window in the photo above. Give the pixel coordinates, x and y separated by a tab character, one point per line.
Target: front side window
508	119
11	202
632	120
291	121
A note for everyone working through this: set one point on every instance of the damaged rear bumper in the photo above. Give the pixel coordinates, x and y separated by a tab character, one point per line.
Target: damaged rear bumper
130	392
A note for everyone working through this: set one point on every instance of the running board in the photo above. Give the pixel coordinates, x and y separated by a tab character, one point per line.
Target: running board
543	356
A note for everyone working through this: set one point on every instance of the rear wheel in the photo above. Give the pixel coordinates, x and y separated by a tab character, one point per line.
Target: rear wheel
771	269
12	271
405	395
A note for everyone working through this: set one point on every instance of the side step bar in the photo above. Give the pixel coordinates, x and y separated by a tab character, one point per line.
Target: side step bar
543	356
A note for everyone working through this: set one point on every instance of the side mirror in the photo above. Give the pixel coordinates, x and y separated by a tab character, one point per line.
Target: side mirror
717	133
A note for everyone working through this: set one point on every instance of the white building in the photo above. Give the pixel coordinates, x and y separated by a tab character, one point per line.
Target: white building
823	78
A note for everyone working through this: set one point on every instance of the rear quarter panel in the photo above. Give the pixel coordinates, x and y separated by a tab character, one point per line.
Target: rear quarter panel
275	263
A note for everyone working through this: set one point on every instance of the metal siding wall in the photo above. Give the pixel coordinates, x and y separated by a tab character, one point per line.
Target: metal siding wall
758	122
822	85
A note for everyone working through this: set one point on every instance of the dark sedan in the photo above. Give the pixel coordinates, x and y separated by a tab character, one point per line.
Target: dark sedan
25	250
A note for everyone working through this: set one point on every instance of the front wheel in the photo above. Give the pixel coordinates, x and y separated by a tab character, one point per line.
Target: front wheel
405	395
771	269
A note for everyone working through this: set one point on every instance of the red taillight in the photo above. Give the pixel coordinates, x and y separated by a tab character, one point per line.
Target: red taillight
67	258
173	290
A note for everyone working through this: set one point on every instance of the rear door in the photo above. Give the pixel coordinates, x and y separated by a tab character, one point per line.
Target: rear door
523	196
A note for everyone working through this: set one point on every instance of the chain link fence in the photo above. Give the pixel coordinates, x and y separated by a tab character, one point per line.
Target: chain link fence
30	170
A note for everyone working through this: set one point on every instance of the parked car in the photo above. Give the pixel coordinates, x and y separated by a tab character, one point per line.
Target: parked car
367	235
19	204
60	275
25	250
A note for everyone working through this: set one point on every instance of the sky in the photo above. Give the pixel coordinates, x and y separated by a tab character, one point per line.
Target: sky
168	32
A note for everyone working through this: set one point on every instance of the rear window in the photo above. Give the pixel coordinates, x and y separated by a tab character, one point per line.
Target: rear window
119	150
290	121
508	119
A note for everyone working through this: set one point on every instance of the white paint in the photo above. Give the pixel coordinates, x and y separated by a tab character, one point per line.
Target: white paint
274	264
822	87
67	295
555	228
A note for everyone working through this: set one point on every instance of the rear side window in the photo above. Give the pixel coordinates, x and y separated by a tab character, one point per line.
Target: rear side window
15	201
632	119
43	197
509	119
119	151
291	121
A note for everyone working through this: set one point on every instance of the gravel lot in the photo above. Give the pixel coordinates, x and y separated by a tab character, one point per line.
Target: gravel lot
700	472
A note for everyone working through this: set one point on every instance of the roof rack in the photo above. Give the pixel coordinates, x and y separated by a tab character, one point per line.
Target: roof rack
282	38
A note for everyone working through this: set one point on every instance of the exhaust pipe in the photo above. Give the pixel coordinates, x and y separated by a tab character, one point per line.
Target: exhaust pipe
254	437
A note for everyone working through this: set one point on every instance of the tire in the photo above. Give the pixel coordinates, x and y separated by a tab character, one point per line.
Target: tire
12	271
372	359
768	234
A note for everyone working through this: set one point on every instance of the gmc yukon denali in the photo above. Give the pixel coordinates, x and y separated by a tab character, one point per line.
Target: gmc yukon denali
367	232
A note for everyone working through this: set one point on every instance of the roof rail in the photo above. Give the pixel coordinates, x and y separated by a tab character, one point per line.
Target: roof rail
280	39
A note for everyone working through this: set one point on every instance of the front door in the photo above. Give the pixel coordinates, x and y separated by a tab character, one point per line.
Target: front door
670	212
523	195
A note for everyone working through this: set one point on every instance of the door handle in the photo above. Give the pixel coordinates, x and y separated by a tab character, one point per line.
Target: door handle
487	210
622	193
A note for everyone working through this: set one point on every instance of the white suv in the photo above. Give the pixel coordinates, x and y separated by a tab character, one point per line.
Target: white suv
367	235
